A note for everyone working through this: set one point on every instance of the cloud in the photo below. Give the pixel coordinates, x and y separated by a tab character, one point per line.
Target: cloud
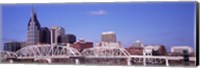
98	12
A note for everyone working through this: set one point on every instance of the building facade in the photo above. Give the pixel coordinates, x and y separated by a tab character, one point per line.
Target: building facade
57	35
70	38
135	50
108	37
109	44
33	29
12	46
45	36
179	50
23	44
155	50
81	45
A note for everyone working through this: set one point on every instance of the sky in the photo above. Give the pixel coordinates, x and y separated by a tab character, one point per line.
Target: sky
166	23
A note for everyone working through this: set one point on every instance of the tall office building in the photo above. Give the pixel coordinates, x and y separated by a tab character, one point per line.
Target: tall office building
108	37
57	35
45	37
70	38
33	29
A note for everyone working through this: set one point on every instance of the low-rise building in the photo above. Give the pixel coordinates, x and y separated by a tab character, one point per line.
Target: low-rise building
155	50
12	46
178	50
135	50
81	45
109	44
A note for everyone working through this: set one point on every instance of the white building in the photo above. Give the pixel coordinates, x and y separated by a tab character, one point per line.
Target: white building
179	49
154	50
148	50
57	34
109	44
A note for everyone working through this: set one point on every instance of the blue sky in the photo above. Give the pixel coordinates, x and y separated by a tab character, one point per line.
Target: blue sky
166	23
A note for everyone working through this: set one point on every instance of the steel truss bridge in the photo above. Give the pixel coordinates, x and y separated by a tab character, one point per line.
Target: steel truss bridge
48	52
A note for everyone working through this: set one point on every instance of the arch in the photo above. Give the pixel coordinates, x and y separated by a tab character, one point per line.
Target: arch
47	51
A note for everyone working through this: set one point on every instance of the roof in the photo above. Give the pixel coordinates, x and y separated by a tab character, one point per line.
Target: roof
34	18
109	32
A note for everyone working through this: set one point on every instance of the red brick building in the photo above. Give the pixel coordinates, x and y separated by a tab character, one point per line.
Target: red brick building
135	50
81	45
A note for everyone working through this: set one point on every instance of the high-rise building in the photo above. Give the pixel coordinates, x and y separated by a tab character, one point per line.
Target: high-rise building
108	37
70	38
12	46
33	29
45	37
57	35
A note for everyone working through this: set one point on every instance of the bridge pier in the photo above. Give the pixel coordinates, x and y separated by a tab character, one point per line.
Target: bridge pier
49	60
144	61
129	61
10	60
167	62
77	61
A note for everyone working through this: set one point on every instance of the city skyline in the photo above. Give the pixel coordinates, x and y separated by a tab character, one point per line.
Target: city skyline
97	18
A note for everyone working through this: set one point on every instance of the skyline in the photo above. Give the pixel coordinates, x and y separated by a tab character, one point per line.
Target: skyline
125	19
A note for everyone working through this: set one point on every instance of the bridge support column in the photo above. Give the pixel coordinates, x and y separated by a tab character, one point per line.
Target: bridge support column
144	61
167	62
77	61
129	61
10	60
49	60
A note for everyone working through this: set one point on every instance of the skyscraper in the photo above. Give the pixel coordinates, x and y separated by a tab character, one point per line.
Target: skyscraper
108	37
57	35
45	37
33	29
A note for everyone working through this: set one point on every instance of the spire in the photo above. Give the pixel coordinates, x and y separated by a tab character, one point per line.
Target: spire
33	12
34	18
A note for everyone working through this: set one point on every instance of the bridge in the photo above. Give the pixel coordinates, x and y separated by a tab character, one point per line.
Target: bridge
49	52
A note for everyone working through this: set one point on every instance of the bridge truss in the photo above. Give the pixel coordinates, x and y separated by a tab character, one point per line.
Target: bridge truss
47	51
57	51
